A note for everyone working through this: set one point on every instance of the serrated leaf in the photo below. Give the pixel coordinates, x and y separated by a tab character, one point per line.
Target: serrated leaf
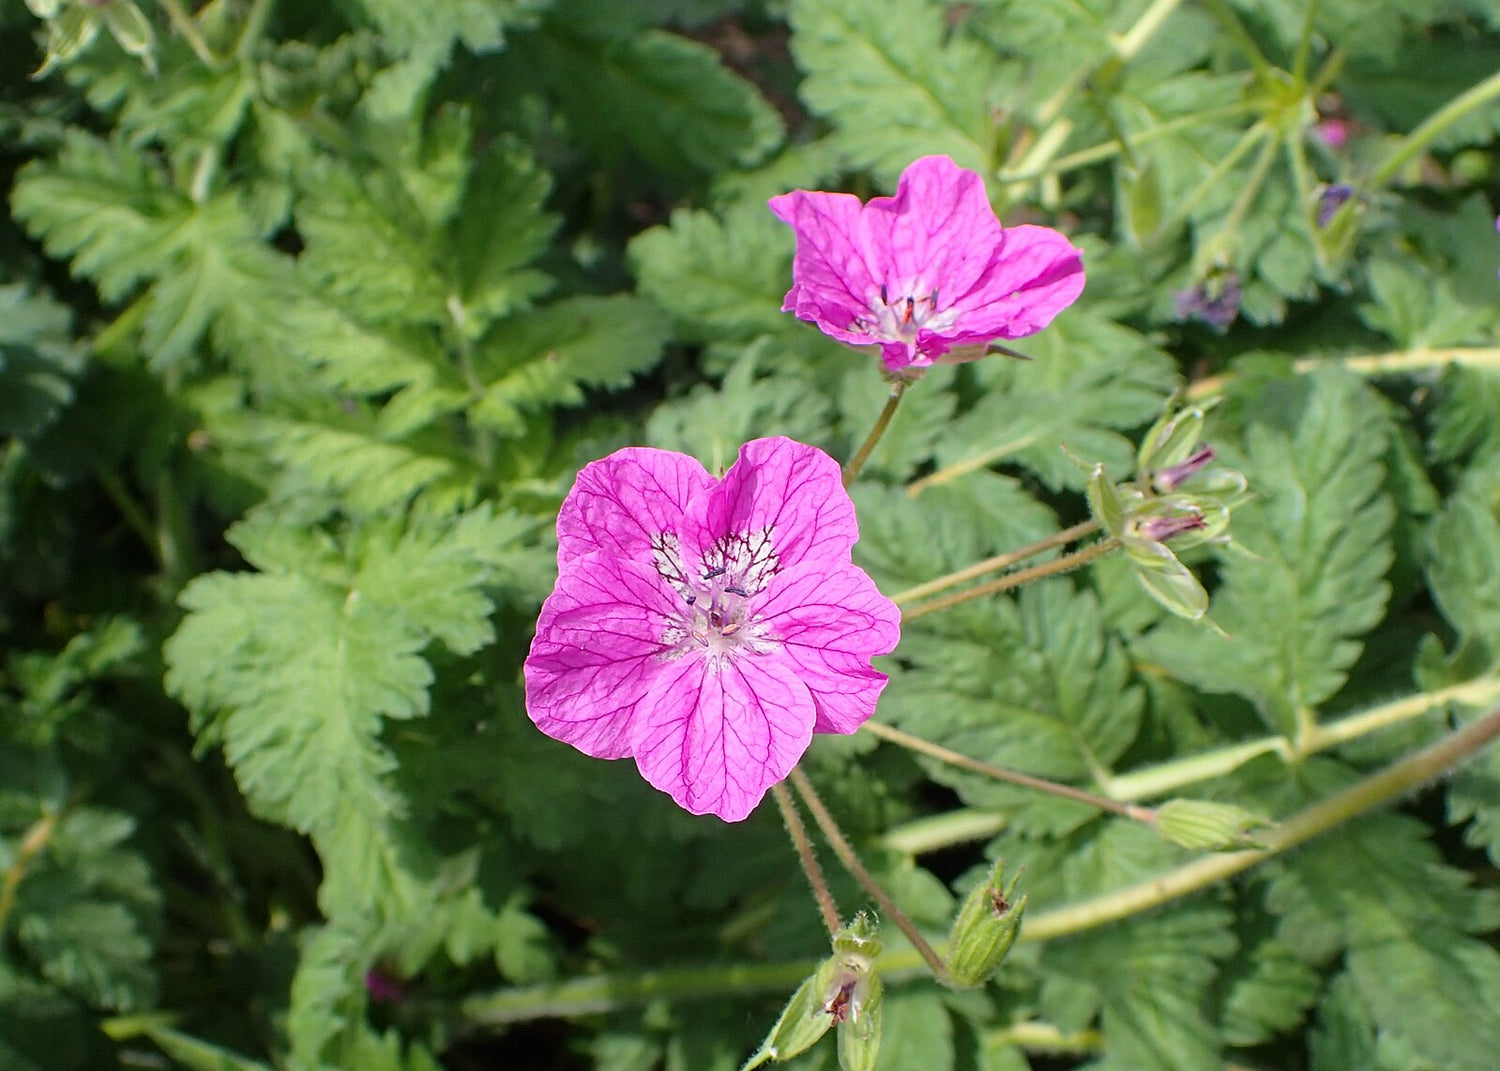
896	82
546	356
295	671
38	361
664	98
1467	415
1059	704
1089	381
1271	996
1319	529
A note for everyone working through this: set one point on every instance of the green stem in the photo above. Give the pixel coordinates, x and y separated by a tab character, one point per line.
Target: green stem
184	24
969	464
1155	781
845	851
1213	181
944	830
999	561
1236	28
857	462
31	846
1430	128
135	516
1370	364
827	906
1304	44
255	26
1056	567
1129	44
1013	777
1377	789
1045	1037
604	993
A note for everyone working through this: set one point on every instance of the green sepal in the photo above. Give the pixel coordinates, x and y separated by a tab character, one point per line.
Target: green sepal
1105	502
985	930
859	1034
803	1021
1167	580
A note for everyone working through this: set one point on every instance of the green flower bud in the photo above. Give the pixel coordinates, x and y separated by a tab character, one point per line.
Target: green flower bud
1172	439
1203	825
1106	502
985	930
844	991
1167	580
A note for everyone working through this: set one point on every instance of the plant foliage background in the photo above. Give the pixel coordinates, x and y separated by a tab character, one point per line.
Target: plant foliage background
310	313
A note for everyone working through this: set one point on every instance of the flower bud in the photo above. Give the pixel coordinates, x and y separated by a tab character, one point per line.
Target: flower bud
1172	477
1171	440
1203	825
985	929
844	991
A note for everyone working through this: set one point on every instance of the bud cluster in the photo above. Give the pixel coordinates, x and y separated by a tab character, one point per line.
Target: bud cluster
1179	494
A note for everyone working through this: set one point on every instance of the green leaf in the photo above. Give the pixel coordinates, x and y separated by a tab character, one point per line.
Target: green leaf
545	357
38	361
1090	380
664	98
1463	557
296	668
1318	532
1271	995
896	83
1467	415
197	1055
1058	705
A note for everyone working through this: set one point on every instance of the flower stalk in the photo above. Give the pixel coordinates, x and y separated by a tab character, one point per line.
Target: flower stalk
883	421
848	857
1056	567
999	561
807	856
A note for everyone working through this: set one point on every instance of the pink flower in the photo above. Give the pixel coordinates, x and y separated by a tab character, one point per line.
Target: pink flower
708	627
925	272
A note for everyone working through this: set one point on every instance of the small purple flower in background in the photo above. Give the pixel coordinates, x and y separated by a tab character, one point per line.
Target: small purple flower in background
1330	200
925	272
708	627
1215	301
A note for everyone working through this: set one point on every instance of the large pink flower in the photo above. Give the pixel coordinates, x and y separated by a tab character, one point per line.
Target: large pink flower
708	627
925	272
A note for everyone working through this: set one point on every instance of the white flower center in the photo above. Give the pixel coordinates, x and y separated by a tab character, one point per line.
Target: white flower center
717	598
897	314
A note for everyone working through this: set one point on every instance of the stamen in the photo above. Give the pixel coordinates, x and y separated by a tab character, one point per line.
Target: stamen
734	589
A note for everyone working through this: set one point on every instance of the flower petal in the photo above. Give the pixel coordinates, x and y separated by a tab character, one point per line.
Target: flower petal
831	282
1033	274
718	732
780	498
937	234
832	621
621	502
598	647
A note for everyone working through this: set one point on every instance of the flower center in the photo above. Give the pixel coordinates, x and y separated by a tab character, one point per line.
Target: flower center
716	616
717	612
903	317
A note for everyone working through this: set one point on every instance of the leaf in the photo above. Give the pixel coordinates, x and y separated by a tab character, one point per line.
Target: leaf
38	361
544	357
1271	996
1463	557
296	668
1467	415
918	1031
895	83
1151	997
664	98
1319	532
1058	704
719	279
197	1055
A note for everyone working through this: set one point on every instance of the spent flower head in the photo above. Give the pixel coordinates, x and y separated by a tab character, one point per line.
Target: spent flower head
707	627
928	274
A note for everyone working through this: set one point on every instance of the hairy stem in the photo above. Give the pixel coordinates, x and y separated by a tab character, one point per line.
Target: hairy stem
999	561
827	907
1377	789
1039	784
1155	781
601	993
845	851
1056	567
1432	127
255	25
866	448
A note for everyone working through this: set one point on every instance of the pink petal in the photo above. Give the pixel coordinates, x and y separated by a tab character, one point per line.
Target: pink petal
787	498
597	648
1033	275
620	502
832	621
937	234
718	732
831	284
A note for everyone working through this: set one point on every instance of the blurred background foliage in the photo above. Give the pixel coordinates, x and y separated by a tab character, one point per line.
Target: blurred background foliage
309	313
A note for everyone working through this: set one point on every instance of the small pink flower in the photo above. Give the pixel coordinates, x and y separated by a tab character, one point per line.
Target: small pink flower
925	272
708	627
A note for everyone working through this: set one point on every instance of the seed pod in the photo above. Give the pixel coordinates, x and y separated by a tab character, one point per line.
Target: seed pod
985	929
